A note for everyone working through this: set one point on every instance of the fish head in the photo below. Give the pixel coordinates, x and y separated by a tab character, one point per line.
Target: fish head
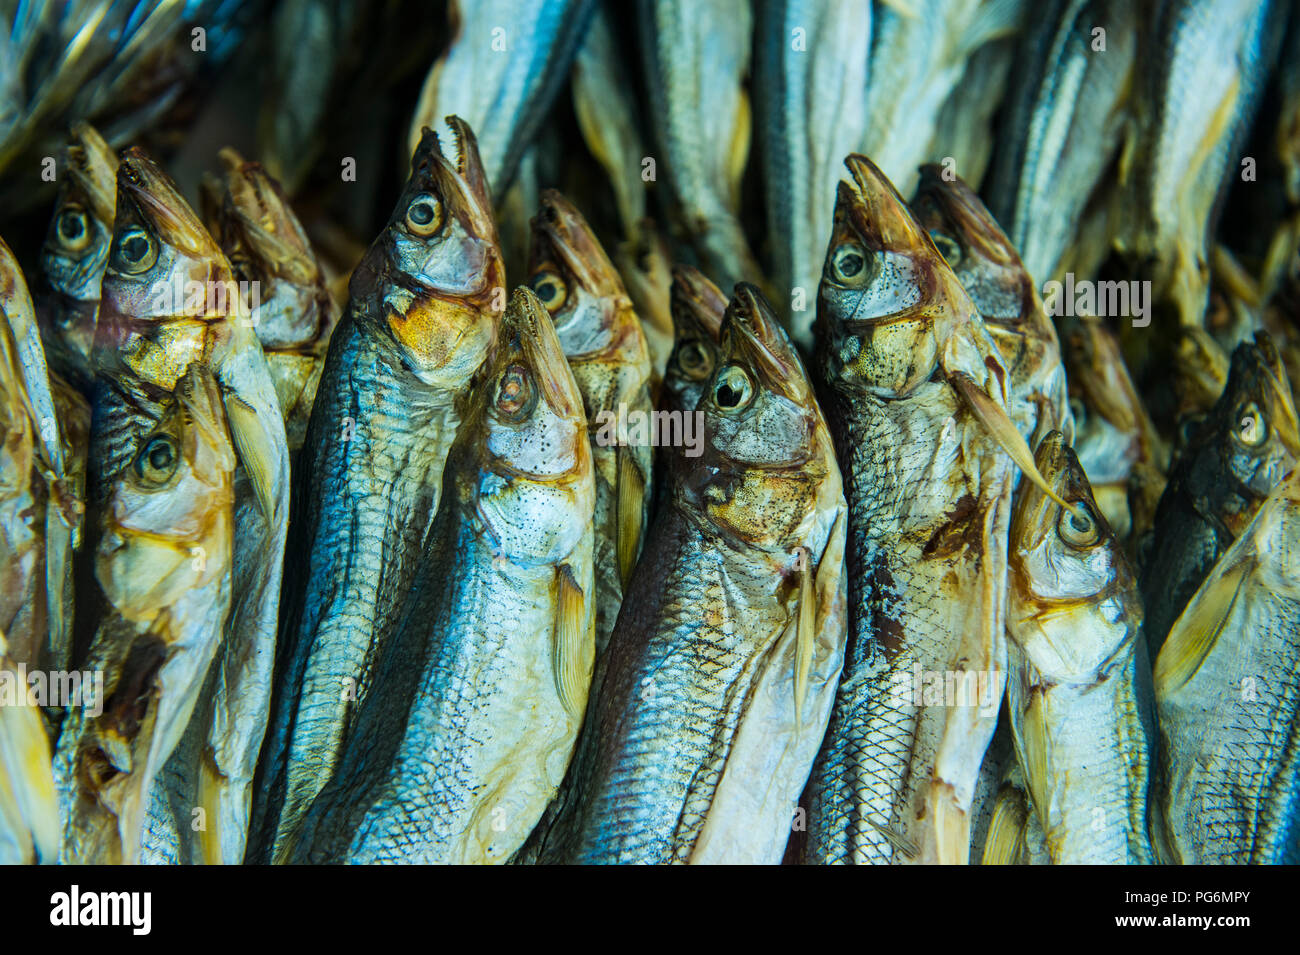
574	278
166	279
168	529
766	449
269	250
887	302
697	307
76	247
446	274
535	490
1073	593
1254	422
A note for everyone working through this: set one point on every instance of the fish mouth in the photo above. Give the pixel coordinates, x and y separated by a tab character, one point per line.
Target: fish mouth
560	228
461	181
950	206
92	170
696	304
160	203
528	318
876	211
751	334
266	222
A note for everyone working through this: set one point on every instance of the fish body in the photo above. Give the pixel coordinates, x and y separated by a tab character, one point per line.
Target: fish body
928	494
710	702
965	133
1078	688
599	332
1239	453
38	514
504	630
169	299
811	75
1200	88
1227	700
271	255
423	313
997	282
1064	123
696	56
507	62
164	563
919	53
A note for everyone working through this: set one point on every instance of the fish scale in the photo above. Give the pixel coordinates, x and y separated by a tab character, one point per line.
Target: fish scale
701	676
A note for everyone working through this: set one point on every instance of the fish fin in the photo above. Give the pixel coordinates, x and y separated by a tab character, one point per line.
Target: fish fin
210	787
951	825
26	781
1194	633
256	453
738	153
630	514
805	631
1003	430
1004	844
993	20
574	641
896	839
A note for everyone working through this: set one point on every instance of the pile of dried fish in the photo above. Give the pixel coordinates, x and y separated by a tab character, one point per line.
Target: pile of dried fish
620	496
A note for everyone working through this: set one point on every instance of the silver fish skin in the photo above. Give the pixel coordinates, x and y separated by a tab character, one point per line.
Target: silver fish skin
1079	687
507	62
811	74
902	353
164	563
607	353
75	253
1063	125
709	705
37	497
1201	84
1000	286
1228	702
964	134
424	308
500	636
918	55
696	56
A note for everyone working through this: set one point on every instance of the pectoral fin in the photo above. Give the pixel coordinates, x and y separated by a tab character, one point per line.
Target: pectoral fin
1003	430
1196	631
630	516
575	647
1005	842
257	453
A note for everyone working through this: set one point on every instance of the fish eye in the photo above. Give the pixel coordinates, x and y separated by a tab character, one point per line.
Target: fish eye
695	360
157	460
515	392
1252	429
1078	530
848	262
73	228
425	214
550	289
947	247
734	388
136	251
